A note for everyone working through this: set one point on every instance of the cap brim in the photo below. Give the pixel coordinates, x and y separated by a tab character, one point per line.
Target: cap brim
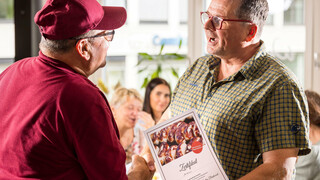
114	17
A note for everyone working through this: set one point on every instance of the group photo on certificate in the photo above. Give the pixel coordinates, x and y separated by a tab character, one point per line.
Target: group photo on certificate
181	149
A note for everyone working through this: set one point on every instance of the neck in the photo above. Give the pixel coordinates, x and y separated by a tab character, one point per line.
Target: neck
231	65
122	130
157	116
71	58
126	137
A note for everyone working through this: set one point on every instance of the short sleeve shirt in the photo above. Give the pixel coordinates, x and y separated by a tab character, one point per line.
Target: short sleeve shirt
260	108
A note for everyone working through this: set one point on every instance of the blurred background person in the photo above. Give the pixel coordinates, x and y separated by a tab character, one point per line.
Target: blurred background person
125	105
156	100
308	167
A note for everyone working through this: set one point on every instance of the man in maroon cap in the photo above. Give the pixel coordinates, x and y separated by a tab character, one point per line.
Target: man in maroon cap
54	122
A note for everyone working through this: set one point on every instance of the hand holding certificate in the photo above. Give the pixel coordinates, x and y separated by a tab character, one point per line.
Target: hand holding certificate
181	149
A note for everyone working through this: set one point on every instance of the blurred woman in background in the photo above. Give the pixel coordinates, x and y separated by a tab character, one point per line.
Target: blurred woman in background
125	105
308	167
156	100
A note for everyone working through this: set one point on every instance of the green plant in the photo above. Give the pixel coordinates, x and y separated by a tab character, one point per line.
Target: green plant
158	59
6	9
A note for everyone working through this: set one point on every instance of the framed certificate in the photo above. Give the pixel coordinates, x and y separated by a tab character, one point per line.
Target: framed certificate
182	151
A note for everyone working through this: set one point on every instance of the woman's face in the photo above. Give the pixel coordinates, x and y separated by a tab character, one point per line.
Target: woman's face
160	98
126	114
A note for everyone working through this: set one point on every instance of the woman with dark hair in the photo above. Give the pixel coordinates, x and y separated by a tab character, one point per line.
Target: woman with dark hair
156	100
308	167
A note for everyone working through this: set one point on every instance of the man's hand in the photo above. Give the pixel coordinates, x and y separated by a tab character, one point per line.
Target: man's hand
144	168
146	154
139	169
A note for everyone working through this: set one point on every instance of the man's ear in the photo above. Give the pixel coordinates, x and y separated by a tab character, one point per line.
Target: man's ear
252	32
83	48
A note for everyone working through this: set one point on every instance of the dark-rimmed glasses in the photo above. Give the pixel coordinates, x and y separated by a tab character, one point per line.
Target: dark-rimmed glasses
107	35
217	21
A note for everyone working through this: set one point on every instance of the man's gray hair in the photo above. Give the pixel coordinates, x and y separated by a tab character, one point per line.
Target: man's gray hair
254	10
61	46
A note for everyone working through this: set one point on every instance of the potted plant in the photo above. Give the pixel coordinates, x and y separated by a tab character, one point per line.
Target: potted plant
159	59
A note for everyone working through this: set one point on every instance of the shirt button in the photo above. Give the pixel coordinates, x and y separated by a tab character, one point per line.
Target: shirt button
295	128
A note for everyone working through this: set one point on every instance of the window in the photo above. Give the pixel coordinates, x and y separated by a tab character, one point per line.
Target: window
112	74
295	14
6	34
6	9
269	20
122	3
150	23
153	11
183	11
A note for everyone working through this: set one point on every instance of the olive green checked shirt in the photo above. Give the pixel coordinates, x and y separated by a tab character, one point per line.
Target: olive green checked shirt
258	109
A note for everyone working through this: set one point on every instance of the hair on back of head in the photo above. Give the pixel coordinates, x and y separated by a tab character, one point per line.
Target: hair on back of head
255	11
313	99
62	46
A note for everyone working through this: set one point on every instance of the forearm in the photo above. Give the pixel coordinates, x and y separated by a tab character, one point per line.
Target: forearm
269	171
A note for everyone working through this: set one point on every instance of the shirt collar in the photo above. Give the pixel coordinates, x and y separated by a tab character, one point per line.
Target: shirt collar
254	63
247	70
212	63
54	62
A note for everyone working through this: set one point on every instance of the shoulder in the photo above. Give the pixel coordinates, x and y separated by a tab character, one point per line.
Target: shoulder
78	88
197	69
278	71
12	67
199	65
193	72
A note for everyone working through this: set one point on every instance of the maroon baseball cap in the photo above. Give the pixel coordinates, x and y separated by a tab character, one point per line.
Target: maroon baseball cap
64	19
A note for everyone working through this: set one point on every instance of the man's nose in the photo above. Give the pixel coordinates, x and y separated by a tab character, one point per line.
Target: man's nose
208	25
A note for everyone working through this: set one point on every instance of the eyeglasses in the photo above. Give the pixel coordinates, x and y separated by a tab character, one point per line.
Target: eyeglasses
217	22
107	35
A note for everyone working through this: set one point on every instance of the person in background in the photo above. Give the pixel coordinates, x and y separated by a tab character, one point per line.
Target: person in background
251	106
54	122
125	105
308	167
156	100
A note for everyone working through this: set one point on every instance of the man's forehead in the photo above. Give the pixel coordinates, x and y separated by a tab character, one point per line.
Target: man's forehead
223	7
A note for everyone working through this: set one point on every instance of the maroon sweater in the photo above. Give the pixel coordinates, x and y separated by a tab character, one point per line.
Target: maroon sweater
56	124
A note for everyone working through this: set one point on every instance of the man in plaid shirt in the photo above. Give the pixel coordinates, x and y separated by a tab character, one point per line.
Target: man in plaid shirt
251	106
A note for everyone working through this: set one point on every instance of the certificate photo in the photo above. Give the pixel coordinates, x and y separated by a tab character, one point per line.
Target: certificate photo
181	149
